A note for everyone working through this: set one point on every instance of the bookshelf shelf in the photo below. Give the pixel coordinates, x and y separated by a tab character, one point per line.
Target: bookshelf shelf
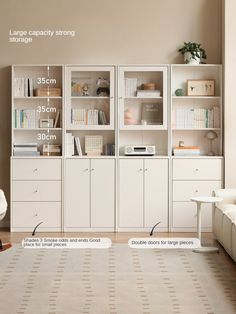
89	97
37	129
196	97
140	98
196	129
39	97
142	127
90	127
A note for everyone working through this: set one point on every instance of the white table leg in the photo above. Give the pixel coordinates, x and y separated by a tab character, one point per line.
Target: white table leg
199	222
202	249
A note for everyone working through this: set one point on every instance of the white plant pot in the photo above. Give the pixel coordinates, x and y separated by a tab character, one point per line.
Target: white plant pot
188	59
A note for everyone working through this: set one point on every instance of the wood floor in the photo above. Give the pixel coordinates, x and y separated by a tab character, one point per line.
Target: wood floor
116	237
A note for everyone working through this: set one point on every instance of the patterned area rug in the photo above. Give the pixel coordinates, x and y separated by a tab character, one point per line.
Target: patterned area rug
117	280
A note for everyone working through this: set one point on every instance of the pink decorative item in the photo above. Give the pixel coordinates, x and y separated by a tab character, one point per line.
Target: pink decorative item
129	117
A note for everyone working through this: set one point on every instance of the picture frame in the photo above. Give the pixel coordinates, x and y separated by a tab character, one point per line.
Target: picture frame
201	87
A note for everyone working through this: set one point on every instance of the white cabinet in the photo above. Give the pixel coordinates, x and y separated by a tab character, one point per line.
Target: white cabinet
143	193
194	177
36	194
89	194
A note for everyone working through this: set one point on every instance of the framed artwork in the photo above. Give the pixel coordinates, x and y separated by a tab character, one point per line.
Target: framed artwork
201	87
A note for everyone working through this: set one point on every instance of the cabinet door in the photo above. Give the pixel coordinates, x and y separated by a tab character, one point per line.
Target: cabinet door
131	193
77	193
102	193
156	192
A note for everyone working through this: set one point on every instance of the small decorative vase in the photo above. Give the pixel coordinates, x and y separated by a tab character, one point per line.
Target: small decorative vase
188	59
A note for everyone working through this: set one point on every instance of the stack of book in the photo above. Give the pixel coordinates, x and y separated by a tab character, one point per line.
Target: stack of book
23	87
109	150
25	118
51	150
78	149
88	117
186	151
196	118
148	93
130	88
25	149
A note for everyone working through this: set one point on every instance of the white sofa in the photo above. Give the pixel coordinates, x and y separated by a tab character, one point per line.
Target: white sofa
224	220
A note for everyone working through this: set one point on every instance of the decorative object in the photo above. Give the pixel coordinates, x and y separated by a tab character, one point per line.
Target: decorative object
48	91
211	135
152	113
85	90
193	53
181	143
93	145
51	149
129	117
46	123
179	92
201	87
149	86
103	87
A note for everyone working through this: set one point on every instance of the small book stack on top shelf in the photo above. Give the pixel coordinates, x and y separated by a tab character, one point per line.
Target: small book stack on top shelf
186	151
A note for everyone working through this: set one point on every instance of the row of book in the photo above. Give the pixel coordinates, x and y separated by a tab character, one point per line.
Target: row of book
196	118
26	118
186	151
73	146
23	87
130	86
88	117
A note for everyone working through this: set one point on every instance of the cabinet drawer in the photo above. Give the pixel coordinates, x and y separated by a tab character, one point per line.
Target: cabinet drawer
185	215
30	191
36	169
197	169
184	190
29	214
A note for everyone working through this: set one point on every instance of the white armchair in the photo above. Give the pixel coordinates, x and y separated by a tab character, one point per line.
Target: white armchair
3	205
224	220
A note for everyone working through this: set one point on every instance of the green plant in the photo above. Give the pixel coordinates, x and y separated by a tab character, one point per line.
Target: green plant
195	49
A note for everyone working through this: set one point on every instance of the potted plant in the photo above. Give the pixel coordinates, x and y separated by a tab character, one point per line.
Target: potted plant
193	53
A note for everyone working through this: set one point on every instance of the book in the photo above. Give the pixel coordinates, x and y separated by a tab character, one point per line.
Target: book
186	151
148	93
78	146
152	113
56	122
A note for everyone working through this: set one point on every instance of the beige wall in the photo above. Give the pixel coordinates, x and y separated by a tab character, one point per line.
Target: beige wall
230	98
110	31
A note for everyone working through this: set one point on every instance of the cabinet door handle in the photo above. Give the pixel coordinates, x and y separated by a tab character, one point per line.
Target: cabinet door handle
35	191
120	97
196	169
86	169
92	169
36	169
140	169
196	191
145	169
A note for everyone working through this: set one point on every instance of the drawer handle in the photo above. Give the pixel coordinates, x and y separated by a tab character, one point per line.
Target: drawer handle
36	169
35	191
35	215
196	191
140	169
196	169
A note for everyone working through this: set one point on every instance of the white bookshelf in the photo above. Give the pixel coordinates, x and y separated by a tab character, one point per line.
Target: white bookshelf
196	136
80	108
133	128
26	79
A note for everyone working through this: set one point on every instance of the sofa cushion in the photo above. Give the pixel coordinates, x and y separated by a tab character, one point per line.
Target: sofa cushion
218	213
234	241
228	220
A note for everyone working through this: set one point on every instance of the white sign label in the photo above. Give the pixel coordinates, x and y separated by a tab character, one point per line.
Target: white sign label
164	243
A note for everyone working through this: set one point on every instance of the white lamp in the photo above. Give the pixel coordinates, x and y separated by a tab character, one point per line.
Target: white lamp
211	135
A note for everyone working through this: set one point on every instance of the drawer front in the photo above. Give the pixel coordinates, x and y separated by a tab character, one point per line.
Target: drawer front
36	169
185	215
184	190
29	214
34	191
197	169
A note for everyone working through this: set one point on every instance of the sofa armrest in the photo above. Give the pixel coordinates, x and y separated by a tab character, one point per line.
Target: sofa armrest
228	195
